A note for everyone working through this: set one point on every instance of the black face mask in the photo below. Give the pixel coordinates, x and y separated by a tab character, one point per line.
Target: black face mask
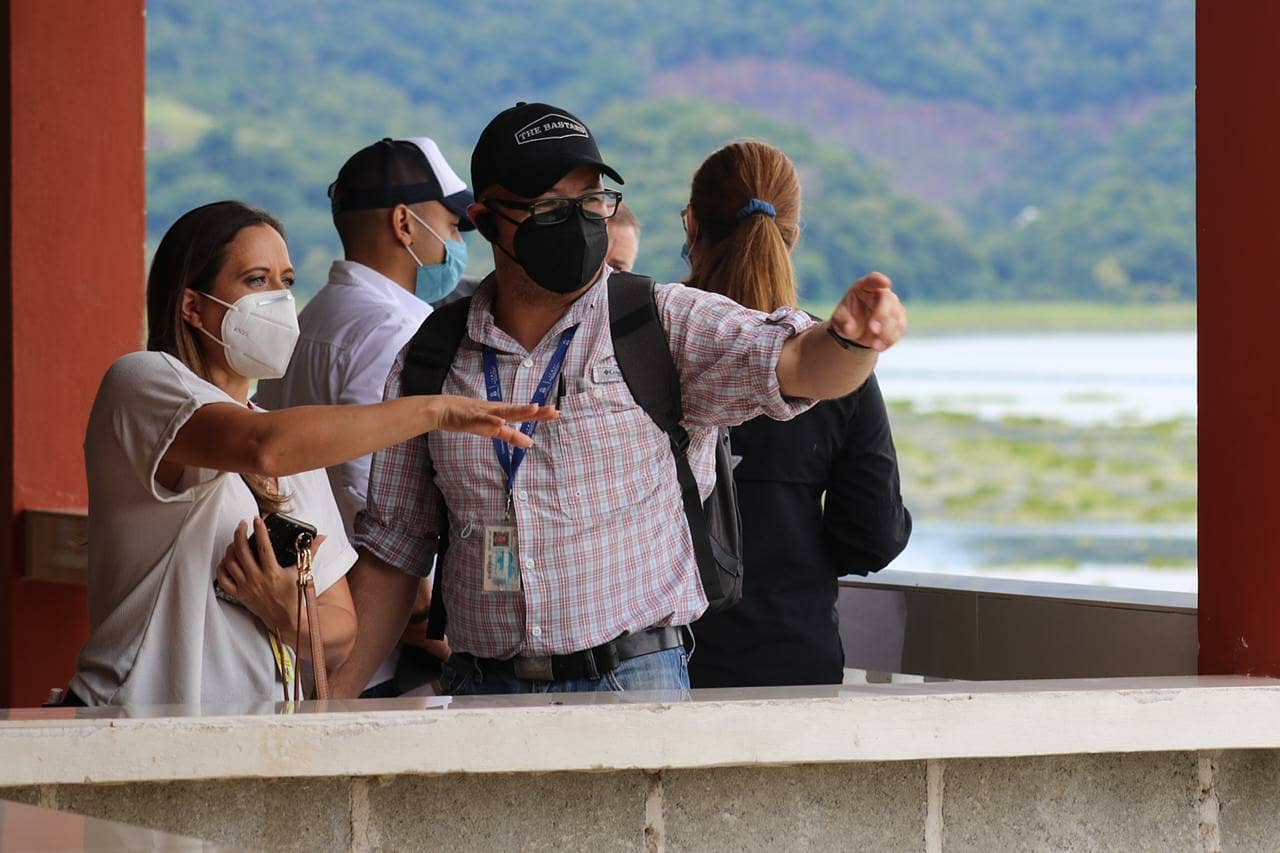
563	257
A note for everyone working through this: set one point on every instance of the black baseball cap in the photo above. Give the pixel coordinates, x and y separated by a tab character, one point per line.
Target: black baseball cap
400	171
529	147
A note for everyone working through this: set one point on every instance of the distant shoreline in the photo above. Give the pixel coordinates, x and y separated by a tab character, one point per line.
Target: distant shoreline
956	318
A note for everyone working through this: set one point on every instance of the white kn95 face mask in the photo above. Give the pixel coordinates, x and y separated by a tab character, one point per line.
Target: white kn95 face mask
259	333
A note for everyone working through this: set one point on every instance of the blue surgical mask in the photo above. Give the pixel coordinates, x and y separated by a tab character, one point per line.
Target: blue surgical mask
684	253
436	281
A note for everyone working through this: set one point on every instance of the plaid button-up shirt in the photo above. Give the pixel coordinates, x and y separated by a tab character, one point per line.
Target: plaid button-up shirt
604	546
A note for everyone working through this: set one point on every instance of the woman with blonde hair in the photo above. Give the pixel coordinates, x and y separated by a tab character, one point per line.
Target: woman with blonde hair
819	494
182	467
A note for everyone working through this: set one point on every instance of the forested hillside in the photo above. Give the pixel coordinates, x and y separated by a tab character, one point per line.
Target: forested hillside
992	148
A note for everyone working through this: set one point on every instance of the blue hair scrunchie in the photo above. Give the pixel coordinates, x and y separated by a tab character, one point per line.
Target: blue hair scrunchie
757	206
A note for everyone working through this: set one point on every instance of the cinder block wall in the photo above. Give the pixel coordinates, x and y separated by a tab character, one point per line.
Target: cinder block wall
1136	801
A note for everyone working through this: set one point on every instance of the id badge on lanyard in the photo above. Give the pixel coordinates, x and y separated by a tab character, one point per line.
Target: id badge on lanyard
501	559
501	541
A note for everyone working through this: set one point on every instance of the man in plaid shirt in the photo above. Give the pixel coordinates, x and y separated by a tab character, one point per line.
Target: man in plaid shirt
571	568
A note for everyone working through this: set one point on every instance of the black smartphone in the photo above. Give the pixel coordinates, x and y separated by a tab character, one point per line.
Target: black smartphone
283	531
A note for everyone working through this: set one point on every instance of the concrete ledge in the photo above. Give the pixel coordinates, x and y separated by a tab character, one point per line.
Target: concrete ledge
634	731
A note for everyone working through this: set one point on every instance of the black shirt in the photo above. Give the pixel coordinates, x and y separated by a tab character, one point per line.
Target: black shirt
785	630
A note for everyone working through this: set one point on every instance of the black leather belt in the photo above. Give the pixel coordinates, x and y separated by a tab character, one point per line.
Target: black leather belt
593	662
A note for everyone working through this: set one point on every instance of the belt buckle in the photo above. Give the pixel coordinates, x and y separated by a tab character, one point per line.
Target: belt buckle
537	668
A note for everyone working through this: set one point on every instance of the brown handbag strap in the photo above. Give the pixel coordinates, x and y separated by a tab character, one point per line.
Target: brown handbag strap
307	604
317	644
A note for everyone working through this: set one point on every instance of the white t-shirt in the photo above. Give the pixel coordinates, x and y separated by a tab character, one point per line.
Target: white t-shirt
158	634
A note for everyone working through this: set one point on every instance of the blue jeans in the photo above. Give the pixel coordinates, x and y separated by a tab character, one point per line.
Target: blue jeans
467	675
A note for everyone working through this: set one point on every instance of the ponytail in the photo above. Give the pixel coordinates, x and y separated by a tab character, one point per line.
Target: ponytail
746	199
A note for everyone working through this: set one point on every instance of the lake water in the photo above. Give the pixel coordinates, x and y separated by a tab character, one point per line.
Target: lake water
1081	379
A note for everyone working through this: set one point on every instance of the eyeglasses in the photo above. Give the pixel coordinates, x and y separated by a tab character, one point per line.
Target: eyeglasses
602	204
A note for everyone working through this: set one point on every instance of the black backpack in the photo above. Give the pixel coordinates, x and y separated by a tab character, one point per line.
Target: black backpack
644	357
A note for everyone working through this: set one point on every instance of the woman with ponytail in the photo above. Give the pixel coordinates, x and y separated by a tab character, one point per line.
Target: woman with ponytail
819	494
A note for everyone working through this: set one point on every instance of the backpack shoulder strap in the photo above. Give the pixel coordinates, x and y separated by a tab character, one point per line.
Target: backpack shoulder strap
432	348
644	357
426	366
640	345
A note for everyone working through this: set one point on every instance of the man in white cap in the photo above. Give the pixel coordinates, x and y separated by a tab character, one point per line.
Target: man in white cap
398	208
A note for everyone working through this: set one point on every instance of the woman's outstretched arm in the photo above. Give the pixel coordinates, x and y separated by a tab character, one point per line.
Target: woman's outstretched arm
228	437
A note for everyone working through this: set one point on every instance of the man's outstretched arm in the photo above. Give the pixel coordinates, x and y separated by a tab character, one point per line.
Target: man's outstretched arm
815	365
383	597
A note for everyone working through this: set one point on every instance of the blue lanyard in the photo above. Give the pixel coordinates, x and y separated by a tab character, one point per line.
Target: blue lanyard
508	457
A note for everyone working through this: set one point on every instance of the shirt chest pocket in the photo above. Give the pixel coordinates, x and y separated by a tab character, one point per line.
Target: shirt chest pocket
609	454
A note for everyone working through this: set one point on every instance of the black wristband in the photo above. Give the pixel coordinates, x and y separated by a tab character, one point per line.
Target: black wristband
844	343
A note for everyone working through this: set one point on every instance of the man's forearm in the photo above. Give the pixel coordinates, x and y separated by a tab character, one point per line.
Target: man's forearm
813	365
383	598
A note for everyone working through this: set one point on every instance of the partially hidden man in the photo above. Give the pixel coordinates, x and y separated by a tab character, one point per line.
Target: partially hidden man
571	567
398	208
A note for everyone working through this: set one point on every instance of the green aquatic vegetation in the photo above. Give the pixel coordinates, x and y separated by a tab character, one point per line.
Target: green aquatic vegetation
1045	471
1179	509
1089	500
1125	466
1043	508
913	448
1043	454
1024	420
955	418
1160	562
1084	466
1068	563
1167	428
984	493
1091	397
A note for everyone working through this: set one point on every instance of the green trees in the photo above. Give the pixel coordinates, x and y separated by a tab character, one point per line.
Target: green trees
1115	223
263	100
852	220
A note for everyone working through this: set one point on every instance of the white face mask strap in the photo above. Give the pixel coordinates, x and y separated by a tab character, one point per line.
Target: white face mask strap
428	227
209	335
217	300
409	249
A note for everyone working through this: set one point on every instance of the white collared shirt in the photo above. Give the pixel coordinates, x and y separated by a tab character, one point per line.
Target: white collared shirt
350	333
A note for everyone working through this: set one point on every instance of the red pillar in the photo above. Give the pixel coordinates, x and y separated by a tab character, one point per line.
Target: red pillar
1238	225
72	235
